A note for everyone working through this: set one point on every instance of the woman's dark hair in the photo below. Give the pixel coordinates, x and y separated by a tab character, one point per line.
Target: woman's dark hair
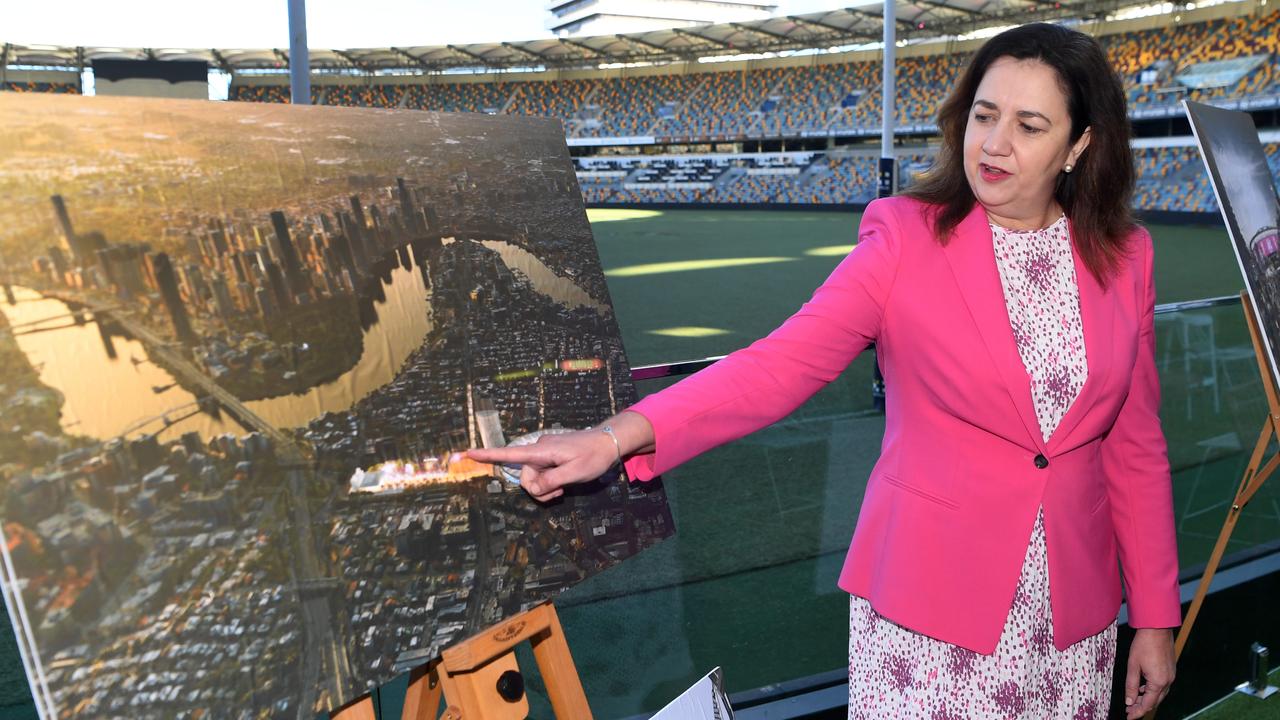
1096	195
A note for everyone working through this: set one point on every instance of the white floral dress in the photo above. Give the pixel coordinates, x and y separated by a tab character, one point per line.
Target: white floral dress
897	673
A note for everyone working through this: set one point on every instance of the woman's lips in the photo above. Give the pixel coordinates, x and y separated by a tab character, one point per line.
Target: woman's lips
991	173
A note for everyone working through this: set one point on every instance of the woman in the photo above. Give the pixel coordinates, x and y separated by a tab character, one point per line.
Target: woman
1010	297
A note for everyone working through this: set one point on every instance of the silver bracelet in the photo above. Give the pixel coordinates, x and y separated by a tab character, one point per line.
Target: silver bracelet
608	430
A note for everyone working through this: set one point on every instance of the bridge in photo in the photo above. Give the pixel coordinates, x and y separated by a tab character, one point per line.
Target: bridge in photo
324	646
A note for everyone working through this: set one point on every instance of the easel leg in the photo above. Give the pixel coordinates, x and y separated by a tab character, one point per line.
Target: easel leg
1214	559
564	688
1224	536
422	700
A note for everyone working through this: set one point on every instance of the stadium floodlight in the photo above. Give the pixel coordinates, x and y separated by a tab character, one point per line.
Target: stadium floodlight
624	65
984	33
737	58
1164	8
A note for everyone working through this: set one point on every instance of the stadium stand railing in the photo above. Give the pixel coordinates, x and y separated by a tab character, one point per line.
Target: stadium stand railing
1170	179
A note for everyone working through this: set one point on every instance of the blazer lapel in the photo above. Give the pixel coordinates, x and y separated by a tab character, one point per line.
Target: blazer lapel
972	257
1097	317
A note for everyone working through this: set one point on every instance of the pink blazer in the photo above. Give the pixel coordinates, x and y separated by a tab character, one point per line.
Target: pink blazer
963	467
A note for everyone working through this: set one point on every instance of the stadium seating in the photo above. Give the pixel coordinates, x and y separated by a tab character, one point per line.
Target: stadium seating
843	180
562	99
1248	35
1132	52
840	98
460	97
805	178
42	87
1169	179
597	192
1194	45
923	84
1172	179
656	195
633	106
820	97
262	93
380	96
1219	59
720	105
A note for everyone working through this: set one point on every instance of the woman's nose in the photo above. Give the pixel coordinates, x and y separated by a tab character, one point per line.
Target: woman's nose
997	140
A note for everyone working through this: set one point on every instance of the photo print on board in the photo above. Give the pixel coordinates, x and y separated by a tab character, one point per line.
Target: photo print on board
1242	183
243	348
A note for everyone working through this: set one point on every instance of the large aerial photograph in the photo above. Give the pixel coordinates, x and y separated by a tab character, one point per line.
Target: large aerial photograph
243	350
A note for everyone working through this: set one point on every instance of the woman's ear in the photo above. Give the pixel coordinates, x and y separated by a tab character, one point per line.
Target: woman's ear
1077	149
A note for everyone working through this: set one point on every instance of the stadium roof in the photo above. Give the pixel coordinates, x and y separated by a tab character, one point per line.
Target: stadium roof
916	19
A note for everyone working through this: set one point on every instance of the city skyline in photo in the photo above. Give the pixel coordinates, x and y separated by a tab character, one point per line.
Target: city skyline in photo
248	347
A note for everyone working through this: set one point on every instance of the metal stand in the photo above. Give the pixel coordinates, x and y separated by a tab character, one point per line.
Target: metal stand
1256	685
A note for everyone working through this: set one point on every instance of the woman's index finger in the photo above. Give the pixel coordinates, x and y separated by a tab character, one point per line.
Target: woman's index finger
511	455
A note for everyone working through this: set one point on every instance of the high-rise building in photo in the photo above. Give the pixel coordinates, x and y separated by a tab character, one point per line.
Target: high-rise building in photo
122	266
488	422
297	279
59	261
167	281
65	226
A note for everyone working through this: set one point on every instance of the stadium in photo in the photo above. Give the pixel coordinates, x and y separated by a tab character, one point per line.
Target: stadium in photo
724	151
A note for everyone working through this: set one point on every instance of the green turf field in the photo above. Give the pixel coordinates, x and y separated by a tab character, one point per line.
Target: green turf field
749	581
692	283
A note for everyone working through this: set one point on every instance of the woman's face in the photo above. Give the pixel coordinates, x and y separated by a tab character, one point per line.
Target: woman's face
1017	141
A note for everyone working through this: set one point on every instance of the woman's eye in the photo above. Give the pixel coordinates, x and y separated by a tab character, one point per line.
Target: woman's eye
1031	129
981	117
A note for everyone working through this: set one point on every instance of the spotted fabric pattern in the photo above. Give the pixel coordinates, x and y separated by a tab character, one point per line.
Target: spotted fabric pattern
1040	293
898	674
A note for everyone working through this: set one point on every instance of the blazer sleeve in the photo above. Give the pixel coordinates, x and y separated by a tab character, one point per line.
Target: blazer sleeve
762	383
1136	465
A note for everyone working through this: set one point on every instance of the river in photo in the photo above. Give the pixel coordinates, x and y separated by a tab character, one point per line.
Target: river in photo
404	319
103	396
108	394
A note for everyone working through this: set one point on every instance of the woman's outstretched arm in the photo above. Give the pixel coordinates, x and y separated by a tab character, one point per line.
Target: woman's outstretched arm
746	391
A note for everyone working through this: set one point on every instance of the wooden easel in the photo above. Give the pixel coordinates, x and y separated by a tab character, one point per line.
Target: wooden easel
1254	475
469	675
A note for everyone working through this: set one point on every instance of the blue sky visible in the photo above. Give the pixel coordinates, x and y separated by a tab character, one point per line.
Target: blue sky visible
264	23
